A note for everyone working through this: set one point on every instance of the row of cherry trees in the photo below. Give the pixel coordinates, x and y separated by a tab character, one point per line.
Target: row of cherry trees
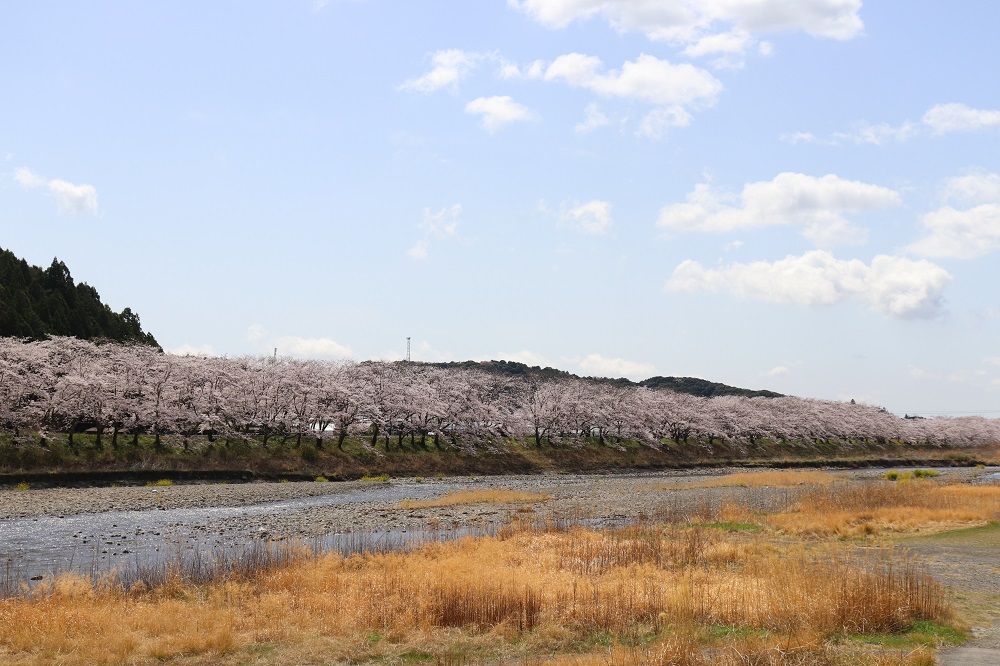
68	385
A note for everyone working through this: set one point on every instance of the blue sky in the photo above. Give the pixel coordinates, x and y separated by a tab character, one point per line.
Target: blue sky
803	196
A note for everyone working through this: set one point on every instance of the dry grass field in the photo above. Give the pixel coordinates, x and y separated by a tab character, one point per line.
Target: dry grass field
476	497
779	478
812	585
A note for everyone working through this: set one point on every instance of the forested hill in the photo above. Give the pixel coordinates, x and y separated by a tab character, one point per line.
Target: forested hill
35	303
690	385
704	388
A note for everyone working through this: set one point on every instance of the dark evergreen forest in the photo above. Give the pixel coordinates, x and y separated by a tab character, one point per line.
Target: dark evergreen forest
36	303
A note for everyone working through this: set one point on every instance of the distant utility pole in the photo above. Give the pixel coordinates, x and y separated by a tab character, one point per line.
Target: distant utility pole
275	353
407	349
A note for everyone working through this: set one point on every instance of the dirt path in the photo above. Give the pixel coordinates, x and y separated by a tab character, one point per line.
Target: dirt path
966	561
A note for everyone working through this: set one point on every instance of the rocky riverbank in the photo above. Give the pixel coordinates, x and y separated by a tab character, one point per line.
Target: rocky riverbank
361	505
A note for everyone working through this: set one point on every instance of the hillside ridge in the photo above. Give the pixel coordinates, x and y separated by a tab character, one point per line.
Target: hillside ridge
36	303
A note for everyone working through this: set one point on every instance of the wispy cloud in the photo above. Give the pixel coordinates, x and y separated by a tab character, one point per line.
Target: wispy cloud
69	197
435	224
938	120
592	217
448	69
672	89
707	27
498	111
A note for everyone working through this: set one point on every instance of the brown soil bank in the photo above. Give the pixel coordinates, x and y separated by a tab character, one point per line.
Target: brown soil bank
85	464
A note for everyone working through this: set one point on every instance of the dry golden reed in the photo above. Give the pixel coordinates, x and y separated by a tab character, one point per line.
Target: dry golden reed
475	497
763	479
877	507
526	591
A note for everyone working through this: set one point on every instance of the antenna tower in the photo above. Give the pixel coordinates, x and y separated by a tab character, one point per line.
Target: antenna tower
407	349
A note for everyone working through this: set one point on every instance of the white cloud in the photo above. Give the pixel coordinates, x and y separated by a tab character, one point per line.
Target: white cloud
940	119
893	286
69	197
656	123
724	42
817	205
28	179
449	68
511	70
973	188
647	78
881	134
961	234
193	350
311	347
255	333
965	233
74	198
960	118
593	217
601	366
419	250
692	22
443	223
498	111
730	48
784	369
672	88
436	224
798	137
593	118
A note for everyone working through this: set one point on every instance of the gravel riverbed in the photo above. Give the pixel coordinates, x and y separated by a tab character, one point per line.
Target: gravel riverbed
376	505
52	529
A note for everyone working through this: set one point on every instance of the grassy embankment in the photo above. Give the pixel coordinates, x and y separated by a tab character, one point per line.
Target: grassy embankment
53	459
735	587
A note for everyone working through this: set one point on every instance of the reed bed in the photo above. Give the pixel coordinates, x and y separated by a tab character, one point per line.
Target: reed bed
878	507
762	479
657	592
475	497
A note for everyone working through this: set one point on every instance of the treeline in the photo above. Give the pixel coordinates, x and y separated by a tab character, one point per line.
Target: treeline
36	303
67	385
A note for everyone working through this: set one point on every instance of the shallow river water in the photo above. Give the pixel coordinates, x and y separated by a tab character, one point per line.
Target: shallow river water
36	548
